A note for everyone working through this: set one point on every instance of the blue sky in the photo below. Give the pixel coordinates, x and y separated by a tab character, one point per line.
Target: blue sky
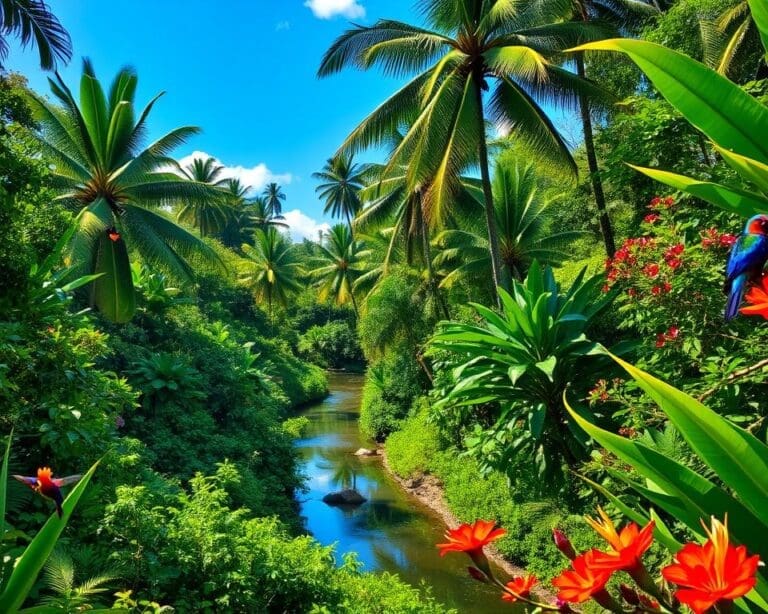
244	72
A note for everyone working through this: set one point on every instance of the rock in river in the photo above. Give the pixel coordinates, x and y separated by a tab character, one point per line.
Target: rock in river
366	452
344	497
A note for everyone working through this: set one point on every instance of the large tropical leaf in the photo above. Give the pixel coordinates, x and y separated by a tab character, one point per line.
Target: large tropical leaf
759	11
113	291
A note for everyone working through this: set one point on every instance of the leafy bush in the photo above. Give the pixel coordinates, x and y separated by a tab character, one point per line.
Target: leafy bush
332	345
411	448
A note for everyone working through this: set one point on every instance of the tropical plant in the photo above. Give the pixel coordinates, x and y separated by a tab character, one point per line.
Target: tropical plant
734	455
339	265
517	364
522	216
242	220
272	268
100	167
155	293
162	377
69	597
725	37
470	44
731	118
32	20
208	215
20	575
262	216
342	181
274	196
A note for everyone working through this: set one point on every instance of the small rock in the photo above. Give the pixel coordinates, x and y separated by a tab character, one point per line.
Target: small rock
366	452
413	482
344	497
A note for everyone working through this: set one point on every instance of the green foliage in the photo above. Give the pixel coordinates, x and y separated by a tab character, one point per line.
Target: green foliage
295	427
332	345
411	449
506	375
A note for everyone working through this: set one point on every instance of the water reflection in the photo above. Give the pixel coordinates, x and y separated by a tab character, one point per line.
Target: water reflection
391	531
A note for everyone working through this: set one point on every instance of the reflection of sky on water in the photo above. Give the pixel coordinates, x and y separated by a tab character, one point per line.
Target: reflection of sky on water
390	532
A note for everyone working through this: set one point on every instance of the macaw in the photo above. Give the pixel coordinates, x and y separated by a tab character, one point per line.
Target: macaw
48	486
748	256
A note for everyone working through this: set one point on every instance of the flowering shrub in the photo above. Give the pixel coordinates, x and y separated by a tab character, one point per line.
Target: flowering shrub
706	576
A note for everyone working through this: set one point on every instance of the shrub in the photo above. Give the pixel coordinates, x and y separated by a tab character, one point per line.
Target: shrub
332	345
410	449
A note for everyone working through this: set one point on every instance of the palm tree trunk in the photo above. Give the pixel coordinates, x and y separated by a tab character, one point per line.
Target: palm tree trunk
594	169
424	230
499	276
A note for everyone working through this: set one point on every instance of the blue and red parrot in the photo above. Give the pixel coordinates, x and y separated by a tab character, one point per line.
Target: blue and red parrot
48	486
746	262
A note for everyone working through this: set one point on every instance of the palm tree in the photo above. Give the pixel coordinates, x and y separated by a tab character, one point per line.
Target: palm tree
102	169
262	215
470	44
32	20
273	195
208	215
340	264
721	47
522	215
342	181
619	13
272	267
241	221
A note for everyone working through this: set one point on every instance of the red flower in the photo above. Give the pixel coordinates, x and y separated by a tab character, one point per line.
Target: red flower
651	270
521	587
651	218
563	544
606	288
470	538
669	201
583	581
674	263
627	546
113	235
667	286
656	290
712	572
632	292
757	297
660	340
673	333
655	202
675	250
727	239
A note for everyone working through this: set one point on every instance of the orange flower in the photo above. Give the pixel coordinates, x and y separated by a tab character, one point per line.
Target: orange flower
627	547
583	581
470	538
712	572
757	297
521	587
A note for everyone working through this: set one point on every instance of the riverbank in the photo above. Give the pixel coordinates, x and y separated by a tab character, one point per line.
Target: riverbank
428	490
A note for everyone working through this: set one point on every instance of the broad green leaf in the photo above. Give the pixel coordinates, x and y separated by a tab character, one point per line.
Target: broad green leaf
759	10
733	200
36	554
750	169
113	291
4	484
720	109
737	456
547	367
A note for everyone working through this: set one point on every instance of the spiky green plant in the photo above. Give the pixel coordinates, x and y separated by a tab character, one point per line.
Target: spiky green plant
340	264
467	46
101	168
68	596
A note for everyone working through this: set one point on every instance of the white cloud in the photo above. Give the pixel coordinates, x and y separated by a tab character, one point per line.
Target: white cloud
302	226
326	9
255	176
282	25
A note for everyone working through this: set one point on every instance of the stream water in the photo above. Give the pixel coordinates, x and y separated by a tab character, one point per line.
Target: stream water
391	531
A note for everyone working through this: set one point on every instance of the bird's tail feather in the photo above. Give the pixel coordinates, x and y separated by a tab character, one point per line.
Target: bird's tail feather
734	297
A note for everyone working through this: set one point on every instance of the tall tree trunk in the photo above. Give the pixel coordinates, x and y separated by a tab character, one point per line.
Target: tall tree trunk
427	251
594	169
500	278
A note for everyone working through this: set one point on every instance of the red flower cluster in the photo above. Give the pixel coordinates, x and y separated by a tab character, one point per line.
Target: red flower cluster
671	335
658	202
712	238
599	392
651	218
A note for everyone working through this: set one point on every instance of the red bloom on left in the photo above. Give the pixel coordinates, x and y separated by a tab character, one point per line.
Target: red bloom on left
470	538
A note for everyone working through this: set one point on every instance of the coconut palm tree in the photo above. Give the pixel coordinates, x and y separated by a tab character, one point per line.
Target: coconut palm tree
342	181
522	216
468	45
32	20
274	196
101	168
272	267
620	14
208	215
262	216
726	36
340	264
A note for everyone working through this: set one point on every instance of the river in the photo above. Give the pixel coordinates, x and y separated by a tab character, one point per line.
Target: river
391	531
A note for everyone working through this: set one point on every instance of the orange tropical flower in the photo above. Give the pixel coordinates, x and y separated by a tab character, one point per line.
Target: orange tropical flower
521	587
757	297
470	538
627	547
583	581
713	572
